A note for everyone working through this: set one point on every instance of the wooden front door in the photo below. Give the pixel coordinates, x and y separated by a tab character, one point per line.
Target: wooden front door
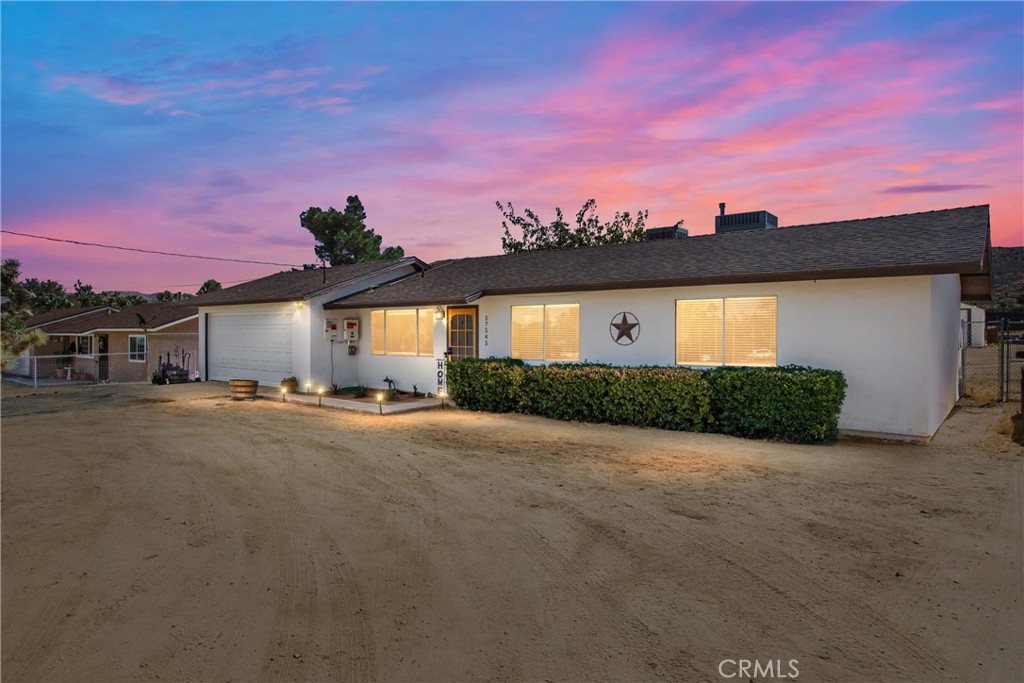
462	333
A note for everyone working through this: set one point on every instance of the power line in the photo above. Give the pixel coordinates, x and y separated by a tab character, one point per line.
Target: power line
200	284
148	251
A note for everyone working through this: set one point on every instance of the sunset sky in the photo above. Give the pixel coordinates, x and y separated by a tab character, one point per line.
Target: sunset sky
207	128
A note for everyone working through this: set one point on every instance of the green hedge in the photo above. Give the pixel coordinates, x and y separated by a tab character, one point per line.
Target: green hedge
790	403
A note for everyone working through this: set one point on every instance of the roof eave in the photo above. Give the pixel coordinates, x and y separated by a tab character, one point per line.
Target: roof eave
969	268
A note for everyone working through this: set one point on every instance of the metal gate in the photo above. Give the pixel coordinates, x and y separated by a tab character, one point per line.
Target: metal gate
990	363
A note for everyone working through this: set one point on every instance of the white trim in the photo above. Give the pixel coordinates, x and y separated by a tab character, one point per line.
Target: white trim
78	346
145	350
407	261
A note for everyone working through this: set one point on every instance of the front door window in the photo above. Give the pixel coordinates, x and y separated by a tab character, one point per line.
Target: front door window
461	333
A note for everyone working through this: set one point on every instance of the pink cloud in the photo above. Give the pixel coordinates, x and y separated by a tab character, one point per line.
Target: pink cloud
105	88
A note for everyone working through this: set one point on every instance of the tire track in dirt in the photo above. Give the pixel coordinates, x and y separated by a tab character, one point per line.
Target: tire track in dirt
48	624
888	645
311	570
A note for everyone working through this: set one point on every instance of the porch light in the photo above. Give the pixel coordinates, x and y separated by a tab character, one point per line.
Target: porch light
438	313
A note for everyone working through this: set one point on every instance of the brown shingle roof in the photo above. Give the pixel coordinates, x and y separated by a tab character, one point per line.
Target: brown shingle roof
42	319
155	314
932	242
297	284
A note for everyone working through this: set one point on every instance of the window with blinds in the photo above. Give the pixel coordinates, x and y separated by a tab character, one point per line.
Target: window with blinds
550	333
729	331
425	341
699	332
562	332
528	332
750	331
377	332
402	332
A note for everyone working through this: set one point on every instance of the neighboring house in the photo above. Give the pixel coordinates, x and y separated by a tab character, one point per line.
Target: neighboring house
877	298
107	345
274	327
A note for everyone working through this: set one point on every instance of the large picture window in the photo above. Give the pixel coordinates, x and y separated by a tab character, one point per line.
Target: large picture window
137	348
729	331
546	332
402	332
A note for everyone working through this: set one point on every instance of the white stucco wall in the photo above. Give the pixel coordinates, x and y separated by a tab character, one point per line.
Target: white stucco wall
311	351
895	339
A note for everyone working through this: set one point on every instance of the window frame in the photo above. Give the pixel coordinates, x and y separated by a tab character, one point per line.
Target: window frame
723	332
420	314
546	356
145	348
78	345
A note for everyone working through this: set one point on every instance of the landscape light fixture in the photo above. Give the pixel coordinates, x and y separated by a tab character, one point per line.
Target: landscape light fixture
284	392
320	396
442	395
380	402
308	385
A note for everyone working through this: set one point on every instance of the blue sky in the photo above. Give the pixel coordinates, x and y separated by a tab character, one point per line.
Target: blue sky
208	127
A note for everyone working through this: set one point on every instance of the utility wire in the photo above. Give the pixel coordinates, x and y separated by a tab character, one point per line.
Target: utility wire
148	251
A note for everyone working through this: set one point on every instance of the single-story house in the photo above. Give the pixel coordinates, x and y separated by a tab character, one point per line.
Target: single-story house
276	327
878	298
107	345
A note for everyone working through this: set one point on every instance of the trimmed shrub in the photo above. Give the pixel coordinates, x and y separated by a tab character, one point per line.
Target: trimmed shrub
791	403
491	384
666	398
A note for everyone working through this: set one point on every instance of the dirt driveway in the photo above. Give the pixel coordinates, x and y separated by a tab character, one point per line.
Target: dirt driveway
169	533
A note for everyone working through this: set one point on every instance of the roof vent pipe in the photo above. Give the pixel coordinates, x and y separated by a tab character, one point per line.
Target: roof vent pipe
721	208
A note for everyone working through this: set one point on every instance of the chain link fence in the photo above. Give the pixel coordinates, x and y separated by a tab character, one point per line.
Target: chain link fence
34	371
992	356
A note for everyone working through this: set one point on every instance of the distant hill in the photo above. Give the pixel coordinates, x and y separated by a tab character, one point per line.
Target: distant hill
1007	283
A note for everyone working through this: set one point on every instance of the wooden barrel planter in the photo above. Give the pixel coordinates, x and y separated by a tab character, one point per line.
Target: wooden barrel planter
243	389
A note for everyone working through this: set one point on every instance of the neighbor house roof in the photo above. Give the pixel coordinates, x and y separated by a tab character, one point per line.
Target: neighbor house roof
44	319
932	242
299	284
149	317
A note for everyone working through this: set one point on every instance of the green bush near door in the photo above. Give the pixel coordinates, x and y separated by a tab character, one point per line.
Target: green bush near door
794	404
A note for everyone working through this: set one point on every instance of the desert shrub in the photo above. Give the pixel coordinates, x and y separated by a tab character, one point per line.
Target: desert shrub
791	403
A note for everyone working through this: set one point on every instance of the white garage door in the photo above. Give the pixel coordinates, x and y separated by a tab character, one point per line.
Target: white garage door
250	346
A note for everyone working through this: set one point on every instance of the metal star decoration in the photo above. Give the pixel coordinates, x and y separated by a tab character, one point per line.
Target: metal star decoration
626	330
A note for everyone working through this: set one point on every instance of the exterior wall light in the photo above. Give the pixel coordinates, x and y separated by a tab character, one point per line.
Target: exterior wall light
438	313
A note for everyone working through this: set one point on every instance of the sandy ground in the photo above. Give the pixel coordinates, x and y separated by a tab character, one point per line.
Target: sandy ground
169	533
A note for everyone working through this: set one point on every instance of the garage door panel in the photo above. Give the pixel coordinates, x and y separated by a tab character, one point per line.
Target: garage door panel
250	346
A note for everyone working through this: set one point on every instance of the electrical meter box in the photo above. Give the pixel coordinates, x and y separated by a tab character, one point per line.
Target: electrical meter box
331	329
350	330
